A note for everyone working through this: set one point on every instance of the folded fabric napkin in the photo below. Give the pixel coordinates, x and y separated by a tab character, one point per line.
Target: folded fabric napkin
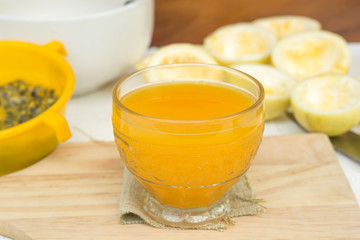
242	203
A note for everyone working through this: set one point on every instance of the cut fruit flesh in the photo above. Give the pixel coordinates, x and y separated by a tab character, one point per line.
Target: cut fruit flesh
328	104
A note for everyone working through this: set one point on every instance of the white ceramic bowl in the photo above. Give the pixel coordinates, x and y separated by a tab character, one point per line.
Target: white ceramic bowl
103	38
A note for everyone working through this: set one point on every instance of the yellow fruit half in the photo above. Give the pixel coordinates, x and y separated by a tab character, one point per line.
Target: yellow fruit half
180	53
143	62
310	54
284	26
328	104
277	87
177	53
240	43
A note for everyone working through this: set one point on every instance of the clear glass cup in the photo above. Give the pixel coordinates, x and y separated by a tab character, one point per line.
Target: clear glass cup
188	166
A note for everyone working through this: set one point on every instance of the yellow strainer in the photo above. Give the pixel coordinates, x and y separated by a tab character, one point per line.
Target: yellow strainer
29	142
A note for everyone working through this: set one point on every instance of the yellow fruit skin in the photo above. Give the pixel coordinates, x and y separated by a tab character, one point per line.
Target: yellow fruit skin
332	125
275	107
142	63
249	41
264	60
277	86
285	25
340	66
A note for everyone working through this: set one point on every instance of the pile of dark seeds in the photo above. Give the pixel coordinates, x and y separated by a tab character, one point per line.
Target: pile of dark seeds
20	102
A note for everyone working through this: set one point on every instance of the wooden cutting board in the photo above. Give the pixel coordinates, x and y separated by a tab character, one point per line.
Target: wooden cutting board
74	194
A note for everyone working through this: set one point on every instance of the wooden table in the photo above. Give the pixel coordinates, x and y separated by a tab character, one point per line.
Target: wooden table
192	20
73	194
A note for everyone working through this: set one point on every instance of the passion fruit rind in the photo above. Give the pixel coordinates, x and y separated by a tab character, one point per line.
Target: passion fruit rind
275	107
333	124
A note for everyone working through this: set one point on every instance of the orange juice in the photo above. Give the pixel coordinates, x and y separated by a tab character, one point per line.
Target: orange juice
188	142
188	100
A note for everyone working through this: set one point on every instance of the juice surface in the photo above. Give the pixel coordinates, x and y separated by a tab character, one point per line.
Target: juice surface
200	160
188	100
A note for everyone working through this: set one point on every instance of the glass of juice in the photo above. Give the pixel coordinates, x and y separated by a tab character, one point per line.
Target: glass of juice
187	133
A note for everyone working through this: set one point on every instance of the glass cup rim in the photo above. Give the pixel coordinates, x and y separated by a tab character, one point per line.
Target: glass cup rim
258	101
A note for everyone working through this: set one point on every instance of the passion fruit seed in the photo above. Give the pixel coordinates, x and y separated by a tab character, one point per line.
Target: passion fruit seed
20	102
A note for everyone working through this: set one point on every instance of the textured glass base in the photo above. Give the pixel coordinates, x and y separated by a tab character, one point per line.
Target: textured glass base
185	218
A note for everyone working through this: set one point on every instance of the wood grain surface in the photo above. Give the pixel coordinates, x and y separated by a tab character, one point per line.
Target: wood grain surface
74	194
191	21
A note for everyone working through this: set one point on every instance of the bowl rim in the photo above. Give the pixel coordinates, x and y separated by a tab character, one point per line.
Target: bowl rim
113	11
63	98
